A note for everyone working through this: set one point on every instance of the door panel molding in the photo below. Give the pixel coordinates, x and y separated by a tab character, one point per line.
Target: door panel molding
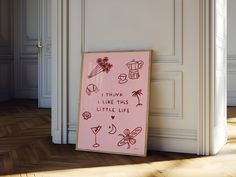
167	95
25	52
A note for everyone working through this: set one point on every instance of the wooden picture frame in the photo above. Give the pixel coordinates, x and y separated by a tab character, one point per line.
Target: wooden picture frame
114	102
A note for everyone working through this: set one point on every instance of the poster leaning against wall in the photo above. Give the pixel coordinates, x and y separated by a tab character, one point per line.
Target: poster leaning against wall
114	102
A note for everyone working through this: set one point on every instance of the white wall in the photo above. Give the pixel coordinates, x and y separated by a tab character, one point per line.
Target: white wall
231	52
6	50
170	29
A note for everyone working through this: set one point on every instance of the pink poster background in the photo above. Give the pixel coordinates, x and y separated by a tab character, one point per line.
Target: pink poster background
108	106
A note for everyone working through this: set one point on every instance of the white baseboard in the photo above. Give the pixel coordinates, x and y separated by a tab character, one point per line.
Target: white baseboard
72	137
5	97
231	101
44	102
172	145
26	93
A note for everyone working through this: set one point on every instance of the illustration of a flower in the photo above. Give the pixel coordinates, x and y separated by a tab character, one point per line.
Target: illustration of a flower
102	66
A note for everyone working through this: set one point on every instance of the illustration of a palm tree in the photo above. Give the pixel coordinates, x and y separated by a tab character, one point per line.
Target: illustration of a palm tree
137	94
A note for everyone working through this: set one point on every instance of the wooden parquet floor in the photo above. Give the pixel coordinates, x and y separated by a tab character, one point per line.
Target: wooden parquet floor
26	151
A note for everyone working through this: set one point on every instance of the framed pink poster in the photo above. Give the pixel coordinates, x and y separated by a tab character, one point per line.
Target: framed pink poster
114	102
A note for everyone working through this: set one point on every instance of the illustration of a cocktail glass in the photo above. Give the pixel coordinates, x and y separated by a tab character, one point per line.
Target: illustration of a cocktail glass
95	131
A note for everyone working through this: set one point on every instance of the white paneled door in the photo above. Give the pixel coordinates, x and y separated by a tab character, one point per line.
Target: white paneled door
32	54
218	122
44	54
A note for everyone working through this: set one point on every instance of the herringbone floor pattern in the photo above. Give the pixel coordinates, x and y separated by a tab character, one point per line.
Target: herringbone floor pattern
23	131
26	151
25	144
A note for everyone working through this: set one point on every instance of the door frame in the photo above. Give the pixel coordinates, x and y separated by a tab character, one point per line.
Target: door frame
58	68
59	71
204	79
207	76
44	54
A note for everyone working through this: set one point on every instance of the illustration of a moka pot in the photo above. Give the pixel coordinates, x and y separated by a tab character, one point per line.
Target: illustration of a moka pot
134	67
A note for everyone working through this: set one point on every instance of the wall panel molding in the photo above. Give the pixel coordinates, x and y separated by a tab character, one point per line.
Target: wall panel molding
177	56
6	78
231	89
231	63
231	76
5	27
5	23
231	57
6	50
167	95
174	54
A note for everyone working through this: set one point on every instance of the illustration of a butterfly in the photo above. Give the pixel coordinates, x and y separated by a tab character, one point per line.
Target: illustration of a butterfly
128	137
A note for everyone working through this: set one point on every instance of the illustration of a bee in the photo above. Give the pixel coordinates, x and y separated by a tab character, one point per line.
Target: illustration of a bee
128	137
